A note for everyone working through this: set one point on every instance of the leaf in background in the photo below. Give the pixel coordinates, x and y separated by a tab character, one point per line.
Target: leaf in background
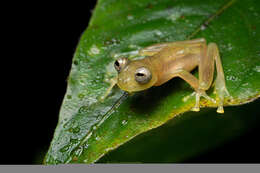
88	128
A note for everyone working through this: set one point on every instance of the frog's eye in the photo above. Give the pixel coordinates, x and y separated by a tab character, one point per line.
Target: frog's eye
143	75
121	63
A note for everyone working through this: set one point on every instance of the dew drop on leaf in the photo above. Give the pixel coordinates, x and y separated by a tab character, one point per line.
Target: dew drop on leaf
124	122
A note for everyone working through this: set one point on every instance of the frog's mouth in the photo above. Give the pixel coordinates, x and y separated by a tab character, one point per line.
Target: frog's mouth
130	85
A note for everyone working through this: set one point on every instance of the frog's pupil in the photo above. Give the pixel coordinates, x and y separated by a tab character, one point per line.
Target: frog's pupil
140	74
117	63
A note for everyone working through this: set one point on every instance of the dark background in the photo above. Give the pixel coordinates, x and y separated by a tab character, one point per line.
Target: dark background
41	41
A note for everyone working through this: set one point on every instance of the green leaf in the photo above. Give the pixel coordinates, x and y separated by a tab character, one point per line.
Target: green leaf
88	128
190	135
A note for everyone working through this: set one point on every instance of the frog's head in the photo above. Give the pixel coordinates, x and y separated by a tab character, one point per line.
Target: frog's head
134	75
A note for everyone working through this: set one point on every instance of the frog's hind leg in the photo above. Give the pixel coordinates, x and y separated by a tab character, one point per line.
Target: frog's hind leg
206	73
220	84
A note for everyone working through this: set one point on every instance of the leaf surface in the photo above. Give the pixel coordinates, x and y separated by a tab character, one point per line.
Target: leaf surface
88	128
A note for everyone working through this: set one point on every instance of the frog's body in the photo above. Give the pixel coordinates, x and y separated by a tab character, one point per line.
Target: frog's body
176	59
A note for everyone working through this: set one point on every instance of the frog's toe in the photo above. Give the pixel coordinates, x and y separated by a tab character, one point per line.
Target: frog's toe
220	97
220	109
221	94
195	109
200	93
203	94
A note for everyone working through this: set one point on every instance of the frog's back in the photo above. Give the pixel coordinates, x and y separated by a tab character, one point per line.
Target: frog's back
175	57
173	52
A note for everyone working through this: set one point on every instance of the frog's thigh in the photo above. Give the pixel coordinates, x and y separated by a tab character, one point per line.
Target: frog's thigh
155	48
206	67
206	72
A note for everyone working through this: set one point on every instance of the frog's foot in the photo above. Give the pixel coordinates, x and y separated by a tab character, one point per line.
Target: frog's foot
200	93
221	92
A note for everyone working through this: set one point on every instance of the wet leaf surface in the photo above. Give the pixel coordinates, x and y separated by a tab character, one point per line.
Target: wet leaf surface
88	128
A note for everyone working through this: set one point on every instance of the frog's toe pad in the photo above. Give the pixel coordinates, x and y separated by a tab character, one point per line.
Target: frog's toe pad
220	110
195	109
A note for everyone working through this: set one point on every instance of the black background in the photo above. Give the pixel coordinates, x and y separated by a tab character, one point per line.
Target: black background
41	40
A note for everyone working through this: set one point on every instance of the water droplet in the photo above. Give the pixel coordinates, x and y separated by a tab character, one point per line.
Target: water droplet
83	109
245	84
203	27
97	138
232	78
82	54
75	62
174	16
158	33
115	41
94	50
65	148
229	46
133	46
257	68
86	146
65	126
81	96
94	127
124	122
74	130
130	17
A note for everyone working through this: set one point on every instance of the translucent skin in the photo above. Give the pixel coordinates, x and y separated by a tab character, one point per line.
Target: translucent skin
126	78
162	62
176	59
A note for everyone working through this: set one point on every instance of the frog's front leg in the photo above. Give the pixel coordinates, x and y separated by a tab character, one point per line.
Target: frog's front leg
113	82
206	73
194	83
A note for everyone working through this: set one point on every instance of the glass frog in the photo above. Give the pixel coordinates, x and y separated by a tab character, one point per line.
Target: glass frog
165	61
